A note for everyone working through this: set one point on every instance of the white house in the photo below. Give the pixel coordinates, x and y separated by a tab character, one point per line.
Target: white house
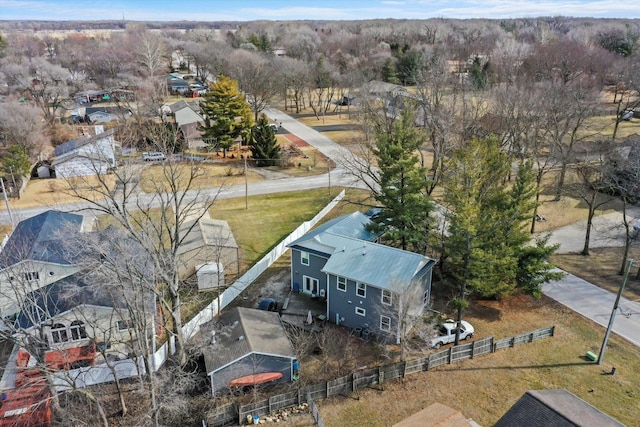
84	156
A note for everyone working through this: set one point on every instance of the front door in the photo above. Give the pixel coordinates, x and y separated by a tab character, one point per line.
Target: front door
310	285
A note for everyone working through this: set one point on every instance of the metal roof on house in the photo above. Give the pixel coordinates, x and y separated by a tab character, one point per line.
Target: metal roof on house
352	225
371	263
558	408
43	237
353	254
242	331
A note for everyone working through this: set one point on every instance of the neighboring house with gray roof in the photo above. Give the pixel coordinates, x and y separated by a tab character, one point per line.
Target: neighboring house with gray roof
87	155
188	121
37	254
82	308
246	341
366	285
557	408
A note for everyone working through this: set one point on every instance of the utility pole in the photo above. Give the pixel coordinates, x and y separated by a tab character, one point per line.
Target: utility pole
329	174
627	268
6	200
246	185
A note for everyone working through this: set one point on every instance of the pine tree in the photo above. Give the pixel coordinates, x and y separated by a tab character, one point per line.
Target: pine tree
404	219
264	145
16	161
228	116
488	246
389	72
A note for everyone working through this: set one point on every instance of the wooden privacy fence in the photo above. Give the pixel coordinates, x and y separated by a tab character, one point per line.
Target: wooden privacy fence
367	377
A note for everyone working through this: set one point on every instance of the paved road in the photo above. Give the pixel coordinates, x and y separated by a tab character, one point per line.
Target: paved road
607	231
596	304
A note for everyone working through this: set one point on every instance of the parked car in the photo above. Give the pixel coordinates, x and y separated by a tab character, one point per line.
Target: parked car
268	304
274	127
447	333
153	156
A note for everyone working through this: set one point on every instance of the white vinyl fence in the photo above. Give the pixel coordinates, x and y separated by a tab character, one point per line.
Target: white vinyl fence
127	368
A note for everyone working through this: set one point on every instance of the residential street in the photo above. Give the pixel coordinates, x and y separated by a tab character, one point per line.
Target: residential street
579	295
596	304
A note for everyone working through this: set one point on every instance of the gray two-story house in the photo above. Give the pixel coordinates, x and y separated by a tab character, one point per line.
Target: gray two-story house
367	286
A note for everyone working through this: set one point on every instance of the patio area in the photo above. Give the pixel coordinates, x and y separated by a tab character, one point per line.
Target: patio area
296	307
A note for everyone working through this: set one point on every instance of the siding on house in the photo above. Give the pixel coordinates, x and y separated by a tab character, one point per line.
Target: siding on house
342	248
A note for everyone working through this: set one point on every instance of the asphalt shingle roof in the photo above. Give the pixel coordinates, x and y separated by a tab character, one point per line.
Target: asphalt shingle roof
64	295
557	408
43	237
243	331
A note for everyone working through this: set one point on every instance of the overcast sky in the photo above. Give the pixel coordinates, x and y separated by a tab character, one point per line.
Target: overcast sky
248	10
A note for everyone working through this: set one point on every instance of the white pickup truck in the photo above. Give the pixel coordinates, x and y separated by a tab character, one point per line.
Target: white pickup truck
447	333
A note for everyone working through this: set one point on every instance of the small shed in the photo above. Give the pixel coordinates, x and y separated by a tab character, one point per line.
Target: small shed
210	275
247	344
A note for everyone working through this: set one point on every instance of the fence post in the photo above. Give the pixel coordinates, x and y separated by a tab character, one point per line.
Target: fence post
473	348
553	329
450	355
354	388
381	377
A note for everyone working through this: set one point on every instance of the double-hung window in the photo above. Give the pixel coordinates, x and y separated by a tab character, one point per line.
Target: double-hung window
386	297
342	284
361	290
304	258
385	323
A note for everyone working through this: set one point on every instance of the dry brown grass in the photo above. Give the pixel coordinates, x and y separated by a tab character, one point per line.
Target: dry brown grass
485	388
207	176
51	192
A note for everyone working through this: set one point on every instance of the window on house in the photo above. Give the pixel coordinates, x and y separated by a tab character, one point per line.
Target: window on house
59	333
342	284
385	323
304	258
386	297
361	291
123	325
361	311
77	330
31	276
425	299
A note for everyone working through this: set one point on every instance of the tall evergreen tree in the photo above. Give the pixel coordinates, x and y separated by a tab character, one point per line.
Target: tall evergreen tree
264	145
488	246
389	72
404	219
227	114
